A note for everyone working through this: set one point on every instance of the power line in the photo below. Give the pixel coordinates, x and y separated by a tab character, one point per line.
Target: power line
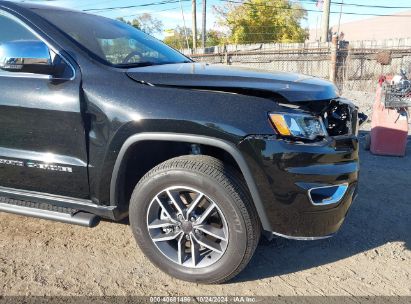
134	6
154	12
94	3
248	3
314	11
361	5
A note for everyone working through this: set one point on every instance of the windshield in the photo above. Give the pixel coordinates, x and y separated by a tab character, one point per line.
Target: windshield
111	41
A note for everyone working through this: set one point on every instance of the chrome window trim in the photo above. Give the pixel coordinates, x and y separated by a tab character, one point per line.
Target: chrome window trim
28	75
51	48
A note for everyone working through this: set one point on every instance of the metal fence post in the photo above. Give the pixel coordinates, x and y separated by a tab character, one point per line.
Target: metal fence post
347	67
333	63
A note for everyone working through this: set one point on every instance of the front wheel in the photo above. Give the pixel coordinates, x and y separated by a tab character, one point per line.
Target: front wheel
193	217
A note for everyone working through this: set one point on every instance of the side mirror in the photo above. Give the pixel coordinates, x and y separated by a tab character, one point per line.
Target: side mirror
26	56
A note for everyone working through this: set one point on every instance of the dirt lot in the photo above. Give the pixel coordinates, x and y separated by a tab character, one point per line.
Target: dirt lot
371	255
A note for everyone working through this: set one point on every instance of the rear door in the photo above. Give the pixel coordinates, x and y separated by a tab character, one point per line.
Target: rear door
42	135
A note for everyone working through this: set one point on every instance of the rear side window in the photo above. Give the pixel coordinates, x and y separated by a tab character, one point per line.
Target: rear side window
12	30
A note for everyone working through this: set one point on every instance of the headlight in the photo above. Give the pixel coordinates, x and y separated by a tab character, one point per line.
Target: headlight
298	125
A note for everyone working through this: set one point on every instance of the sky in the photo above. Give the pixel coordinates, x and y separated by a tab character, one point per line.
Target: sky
170	13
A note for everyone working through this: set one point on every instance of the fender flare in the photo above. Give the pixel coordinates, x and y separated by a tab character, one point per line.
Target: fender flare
196	139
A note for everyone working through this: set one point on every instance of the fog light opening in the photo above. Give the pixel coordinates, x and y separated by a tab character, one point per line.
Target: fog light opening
327	195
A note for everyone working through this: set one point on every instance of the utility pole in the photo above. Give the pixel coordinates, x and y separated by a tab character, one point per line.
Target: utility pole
194	13
184	23
339	18
204	35
325	20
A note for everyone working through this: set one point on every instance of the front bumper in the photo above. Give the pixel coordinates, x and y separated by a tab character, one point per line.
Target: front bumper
286	173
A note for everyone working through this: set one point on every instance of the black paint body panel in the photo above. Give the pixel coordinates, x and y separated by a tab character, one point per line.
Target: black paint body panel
284	171
293	87
40	121
85	122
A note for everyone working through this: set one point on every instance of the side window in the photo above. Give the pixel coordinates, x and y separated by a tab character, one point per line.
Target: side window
13	30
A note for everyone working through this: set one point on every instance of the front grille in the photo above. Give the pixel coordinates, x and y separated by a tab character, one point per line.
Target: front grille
340	118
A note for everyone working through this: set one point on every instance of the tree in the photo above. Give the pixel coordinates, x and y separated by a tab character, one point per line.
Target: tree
178	40
258	21
214	38
146	23
134	23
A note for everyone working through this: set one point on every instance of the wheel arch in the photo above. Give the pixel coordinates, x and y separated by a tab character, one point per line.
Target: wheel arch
230	148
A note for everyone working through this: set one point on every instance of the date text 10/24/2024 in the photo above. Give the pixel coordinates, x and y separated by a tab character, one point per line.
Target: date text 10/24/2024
203	299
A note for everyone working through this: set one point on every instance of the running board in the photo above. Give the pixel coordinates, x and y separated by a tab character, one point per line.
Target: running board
49	212
111	212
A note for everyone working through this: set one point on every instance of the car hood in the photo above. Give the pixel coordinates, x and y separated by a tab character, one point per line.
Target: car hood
293	87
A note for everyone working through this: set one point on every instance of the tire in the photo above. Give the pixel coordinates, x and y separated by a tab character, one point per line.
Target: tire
367	144
234	215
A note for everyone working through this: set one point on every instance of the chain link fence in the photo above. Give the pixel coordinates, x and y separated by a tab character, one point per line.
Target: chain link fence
361	68
354	68
307	61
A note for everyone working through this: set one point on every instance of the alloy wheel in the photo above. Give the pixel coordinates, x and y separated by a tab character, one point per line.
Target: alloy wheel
187	227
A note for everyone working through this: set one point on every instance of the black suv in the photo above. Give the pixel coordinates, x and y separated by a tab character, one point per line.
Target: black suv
99	120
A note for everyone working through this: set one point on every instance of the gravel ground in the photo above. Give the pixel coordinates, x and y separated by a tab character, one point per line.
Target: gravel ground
371	255
364	100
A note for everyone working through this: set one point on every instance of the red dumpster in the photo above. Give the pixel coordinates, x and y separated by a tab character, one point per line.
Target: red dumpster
389	124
